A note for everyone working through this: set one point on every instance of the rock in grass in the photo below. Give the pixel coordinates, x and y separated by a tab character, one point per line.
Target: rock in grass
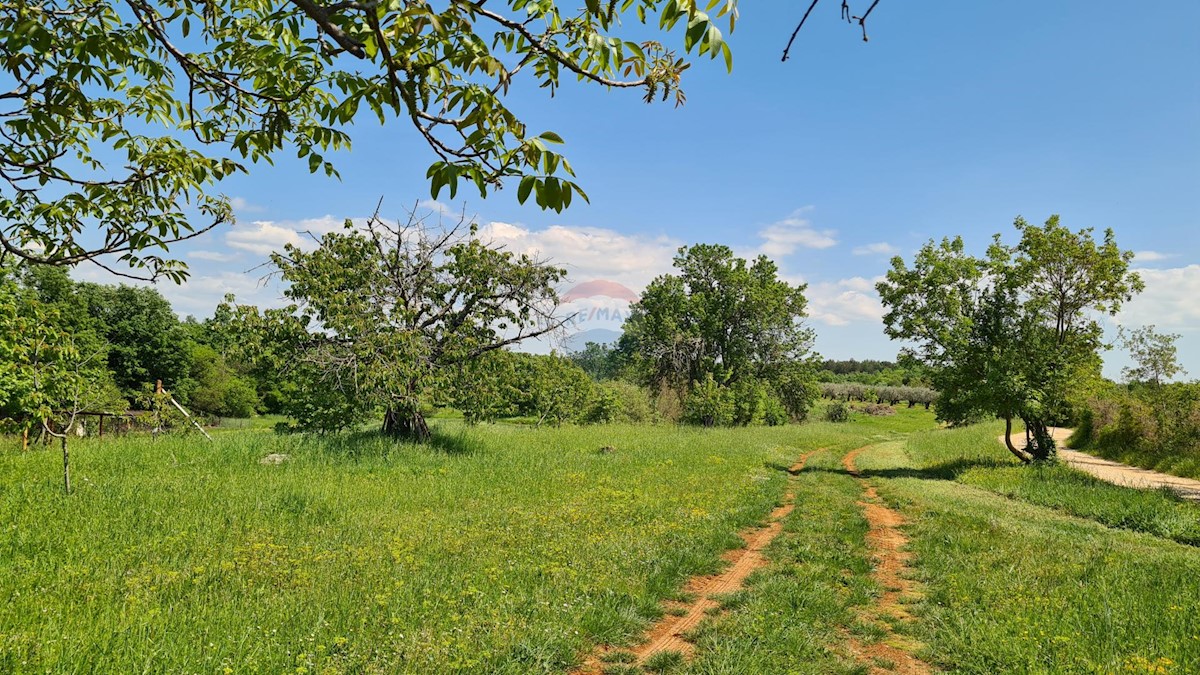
274	458
606	450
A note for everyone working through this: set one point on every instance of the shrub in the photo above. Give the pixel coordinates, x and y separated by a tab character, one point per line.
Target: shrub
775	413
879	409
797	391
216	389
668	404
837	411
708	404
749	402
619	401
1152	426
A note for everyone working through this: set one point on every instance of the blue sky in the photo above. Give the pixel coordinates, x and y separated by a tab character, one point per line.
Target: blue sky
953	119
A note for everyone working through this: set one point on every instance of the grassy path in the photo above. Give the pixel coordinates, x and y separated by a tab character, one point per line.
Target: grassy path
1013	586
891	572
933	552
512	550
499	549
669	639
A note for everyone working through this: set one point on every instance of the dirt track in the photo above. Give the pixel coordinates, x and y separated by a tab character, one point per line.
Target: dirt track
886	543
1122	474
668	633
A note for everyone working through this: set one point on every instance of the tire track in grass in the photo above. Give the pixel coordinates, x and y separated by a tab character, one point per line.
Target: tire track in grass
668	634
886	542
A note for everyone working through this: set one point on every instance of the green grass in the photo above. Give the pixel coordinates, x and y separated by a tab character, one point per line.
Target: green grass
1018	587
1185	463
795	611
507	549
500	549
972	456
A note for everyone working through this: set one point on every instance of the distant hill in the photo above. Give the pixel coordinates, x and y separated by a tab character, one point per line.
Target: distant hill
602	336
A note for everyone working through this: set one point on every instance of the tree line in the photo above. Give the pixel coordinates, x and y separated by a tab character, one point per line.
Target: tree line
400	318
393	320
89	347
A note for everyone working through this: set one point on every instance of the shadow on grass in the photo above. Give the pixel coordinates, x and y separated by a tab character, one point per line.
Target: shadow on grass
944	471
456	443
776	466
372	444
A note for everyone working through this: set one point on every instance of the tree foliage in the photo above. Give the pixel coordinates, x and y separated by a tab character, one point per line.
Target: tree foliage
725	320
599	360
1155	357
120	118
1011	333
388	314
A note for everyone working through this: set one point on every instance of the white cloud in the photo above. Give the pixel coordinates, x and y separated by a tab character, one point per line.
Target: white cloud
783	237
262	237
1151	256
437	207
841	302
267	236
200	294
214	256
878	248
1171	300
589	253
240	205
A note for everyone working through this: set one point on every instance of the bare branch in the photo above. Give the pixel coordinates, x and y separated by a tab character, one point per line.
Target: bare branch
800	25
321	16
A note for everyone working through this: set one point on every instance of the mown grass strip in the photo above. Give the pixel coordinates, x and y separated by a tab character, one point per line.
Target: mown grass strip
973	457
1016	587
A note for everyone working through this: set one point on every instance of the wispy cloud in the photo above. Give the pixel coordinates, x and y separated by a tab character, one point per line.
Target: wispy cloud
1169	300
878	248
838	303
1151	256
784	236
589	253
264	237
214	256
241	205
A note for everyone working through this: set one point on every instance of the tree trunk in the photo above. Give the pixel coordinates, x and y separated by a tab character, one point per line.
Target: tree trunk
1020	454
66	465
406	424
1043	441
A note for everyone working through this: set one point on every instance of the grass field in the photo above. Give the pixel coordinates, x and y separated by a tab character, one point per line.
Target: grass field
506	549
501	549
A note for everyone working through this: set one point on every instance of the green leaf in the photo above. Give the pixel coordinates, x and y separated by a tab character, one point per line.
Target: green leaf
524	188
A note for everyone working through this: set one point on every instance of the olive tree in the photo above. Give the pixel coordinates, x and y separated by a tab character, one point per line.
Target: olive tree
1011	333
392	312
